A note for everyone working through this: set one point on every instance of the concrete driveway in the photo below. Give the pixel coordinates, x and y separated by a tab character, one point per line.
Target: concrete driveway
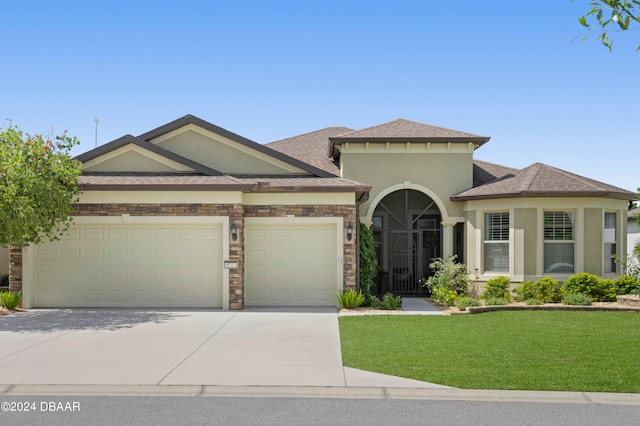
268	347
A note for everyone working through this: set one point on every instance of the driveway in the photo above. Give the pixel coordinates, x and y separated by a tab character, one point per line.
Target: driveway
270	347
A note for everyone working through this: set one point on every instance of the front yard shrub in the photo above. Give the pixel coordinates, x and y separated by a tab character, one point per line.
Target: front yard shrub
578	299
626	284
497	288
388	302
350	299
534	302
547	289
445	296
448	274
495	301
464	302
600	290
10	300
524	291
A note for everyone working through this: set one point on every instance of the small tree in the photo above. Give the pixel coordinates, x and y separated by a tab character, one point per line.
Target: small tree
622	15
38	185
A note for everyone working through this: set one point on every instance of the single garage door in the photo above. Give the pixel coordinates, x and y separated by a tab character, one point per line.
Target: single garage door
131	265
290	265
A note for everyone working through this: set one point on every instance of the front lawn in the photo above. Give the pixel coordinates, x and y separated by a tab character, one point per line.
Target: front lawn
540	350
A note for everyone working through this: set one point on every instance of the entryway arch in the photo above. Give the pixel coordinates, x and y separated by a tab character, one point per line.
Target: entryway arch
411	226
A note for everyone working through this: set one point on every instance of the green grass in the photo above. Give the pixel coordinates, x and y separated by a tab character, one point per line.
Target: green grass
541	350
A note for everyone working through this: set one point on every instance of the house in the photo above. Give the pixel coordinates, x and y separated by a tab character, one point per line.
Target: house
193	215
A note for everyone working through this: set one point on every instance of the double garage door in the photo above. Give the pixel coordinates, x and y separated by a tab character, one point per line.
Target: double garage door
131	265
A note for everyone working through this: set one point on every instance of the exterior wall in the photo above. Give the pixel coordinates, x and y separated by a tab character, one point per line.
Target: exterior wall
593	241
526	245
444	169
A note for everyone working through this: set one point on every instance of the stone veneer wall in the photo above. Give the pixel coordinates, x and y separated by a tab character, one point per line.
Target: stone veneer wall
347	212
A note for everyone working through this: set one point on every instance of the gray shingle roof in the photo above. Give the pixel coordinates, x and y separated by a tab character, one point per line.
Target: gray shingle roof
311	147
541	180
402	130
484	172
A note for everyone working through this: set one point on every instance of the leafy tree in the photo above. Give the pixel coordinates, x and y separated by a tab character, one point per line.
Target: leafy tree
623	15
38	185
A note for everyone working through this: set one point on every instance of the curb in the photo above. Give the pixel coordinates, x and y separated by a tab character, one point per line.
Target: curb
326	392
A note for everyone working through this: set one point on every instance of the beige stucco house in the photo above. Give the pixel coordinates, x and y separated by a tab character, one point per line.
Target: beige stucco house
192	215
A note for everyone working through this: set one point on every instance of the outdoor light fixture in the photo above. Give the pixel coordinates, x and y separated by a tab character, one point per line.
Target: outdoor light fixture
349	231
234	231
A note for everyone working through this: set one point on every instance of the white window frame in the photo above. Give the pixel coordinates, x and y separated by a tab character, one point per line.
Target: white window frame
610	238
504	239
545	241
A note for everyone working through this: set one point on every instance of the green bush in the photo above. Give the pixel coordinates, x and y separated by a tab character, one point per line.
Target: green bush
368	263
10	300
524	291
350	299
578	299
448	274
547	290
495	301
444	295
626	284
497	288
464	302
387	302
534	302
600	290
4	280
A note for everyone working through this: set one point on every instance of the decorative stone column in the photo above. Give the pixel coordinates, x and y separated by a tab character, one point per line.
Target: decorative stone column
15	268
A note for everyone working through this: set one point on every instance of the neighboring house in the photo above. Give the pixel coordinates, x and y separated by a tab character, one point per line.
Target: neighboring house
192	215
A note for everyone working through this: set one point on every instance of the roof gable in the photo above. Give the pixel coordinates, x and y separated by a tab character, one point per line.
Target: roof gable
223	150
541	180
131	154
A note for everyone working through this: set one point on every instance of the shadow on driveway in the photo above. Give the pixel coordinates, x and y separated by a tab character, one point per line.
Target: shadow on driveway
46	320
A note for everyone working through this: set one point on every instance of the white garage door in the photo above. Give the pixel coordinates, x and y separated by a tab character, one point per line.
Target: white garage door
290	265
131	265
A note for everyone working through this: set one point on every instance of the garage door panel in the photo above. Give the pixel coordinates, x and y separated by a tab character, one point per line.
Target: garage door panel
133	265
291	265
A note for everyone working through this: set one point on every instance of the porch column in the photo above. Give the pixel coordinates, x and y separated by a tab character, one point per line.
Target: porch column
447	239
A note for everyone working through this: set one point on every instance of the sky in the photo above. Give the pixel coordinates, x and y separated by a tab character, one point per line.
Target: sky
269	70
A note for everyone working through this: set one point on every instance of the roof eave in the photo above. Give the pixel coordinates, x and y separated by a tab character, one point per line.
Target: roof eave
333	142
539	194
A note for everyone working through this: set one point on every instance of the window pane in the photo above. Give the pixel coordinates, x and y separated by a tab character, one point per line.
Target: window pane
609	262
496	257
558	257
496	226
610	227
558	226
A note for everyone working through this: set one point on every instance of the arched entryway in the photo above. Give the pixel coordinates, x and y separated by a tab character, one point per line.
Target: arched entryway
407	228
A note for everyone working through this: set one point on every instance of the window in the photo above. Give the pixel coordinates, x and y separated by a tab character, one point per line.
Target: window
610	239
496	242
558	242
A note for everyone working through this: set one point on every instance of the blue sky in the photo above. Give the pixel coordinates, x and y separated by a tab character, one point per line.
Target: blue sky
268	70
